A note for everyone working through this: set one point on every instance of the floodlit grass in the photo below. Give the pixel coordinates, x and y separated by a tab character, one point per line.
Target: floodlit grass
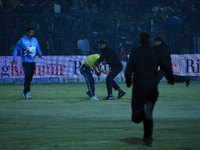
60	116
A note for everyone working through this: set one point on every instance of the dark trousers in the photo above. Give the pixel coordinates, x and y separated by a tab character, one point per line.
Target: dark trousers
177	78
140	95
110	80
29	69
86	72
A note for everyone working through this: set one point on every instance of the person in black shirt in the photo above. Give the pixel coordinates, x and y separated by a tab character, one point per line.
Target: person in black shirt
142	67
163	50
115	68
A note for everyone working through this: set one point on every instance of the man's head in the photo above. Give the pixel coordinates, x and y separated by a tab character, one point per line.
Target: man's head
30	32
81	36
122	49
145	39
101	44
157	41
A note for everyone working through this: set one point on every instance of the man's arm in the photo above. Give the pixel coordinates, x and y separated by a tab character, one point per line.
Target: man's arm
166	65
78	44
16	50
96	71
38	51
100	69
166	54
104	62
101	58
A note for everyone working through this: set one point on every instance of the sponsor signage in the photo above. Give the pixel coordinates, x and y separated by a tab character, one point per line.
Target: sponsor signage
186	64
51	68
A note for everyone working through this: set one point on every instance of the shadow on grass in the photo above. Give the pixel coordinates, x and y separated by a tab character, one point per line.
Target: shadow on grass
133	141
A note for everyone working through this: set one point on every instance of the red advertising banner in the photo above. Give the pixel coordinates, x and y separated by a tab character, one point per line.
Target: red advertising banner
48	66
55	67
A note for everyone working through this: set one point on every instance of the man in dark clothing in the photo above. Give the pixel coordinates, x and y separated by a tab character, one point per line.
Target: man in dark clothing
115	68
163	50
143	64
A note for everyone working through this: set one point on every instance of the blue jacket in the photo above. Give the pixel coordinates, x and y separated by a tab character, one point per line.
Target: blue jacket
28	49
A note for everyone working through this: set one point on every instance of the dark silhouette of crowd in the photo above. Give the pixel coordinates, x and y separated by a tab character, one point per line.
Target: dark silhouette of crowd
60	24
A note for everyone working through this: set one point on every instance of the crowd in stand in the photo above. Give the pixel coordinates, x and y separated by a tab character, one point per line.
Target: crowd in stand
62	26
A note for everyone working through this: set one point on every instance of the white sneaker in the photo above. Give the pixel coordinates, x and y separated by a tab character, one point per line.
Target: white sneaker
94	98
24	96
28	95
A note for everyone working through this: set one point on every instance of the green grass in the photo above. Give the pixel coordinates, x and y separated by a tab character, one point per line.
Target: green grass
60	116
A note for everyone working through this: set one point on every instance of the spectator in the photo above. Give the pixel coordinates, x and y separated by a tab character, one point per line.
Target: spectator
1	4
76	5
94	43
83	45
156	9
94	8
57	7
49	44
124	59
48	6
65	6
83	16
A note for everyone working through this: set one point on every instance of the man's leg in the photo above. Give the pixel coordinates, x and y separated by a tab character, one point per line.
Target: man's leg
181	79
138	116
91	82
141	96
148	131
138	111
32	69
86	72
152	96
137	105
148	126
177	78
111	83
26	68
116	87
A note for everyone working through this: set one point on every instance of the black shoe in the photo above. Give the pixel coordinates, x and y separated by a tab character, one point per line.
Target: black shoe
187	81
147	139
147	143
88	93
109	98
148	110
121	93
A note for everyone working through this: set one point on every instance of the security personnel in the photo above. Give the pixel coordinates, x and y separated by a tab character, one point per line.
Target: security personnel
162	49
115	68
142	65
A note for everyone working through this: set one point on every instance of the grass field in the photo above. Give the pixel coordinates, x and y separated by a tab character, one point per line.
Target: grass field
60	116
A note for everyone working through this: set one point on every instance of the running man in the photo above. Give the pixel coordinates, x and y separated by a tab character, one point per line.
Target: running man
143	64
161	48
